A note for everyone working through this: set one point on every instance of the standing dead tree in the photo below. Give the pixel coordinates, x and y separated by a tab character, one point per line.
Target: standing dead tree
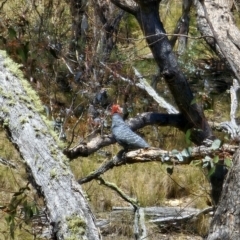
215	19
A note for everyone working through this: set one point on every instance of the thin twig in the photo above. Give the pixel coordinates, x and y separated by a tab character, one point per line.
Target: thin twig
123	195
117	160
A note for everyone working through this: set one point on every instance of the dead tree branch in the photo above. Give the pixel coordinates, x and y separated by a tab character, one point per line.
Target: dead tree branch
231	127
181	216
158	155
164	215
140	121
112	186
144	85
7	163
140	231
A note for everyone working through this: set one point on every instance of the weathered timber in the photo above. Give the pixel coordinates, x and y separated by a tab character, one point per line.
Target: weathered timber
215	19
155	154
231	127
69	213
159	215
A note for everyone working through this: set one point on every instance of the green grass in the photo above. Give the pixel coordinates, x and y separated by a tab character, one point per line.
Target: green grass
11	180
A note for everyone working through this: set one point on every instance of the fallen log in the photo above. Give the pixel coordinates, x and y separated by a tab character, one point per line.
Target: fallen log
68	211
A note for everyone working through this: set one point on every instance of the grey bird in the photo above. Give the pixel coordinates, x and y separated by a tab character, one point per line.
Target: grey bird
123	133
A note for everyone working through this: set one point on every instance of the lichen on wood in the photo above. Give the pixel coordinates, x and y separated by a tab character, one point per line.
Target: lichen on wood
50	172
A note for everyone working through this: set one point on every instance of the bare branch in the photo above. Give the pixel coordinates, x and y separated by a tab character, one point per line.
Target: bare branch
140	231
177	157
117	160
142	120
231	127
144	85
155	154
181	217
112	186
7	162
85	149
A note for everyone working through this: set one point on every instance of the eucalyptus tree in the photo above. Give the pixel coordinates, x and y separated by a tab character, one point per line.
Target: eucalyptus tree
215	19
147	15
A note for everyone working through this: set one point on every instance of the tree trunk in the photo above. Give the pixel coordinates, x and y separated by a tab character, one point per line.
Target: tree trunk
68	210
147	14
109	18
79	23
182	28
226	220
216	20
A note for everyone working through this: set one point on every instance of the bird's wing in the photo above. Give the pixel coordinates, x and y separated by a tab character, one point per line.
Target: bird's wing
126	137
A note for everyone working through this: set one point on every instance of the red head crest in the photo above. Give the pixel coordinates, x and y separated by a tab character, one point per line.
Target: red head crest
116	109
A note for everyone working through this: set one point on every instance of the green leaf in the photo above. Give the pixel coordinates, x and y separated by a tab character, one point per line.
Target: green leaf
196	162
8	219
215	159
205	165
216	144
35	209
226	137
207	162
207	159
187	136
186	152
211	171
175	151
194	101
228	162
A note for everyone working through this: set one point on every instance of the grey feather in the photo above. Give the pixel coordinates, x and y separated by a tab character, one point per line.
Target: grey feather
124	135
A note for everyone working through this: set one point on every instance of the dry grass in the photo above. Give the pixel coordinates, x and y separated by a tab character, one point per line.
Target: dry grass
150	185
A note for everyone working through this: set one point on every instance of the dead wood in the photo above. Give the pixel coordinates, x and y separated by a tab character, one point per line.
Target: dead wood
48	166
158	155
